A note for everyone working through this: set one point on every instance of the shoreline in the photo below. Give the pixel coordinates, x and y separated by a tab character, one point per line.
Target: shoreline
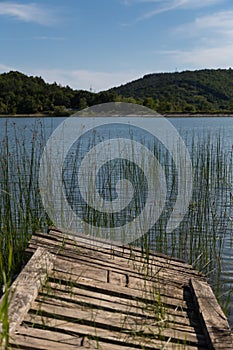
166	115
36	115
198	115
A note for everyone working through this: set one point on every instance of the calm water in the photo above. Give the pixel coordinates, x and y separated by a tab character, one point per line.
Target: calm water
191	129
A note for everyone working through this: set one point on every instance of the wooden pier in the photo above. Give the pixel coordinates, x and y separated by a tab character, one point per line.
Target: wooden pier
77	292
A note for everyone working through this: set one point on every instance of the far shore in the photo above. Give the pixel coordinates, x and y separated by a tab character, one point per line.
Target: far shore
167	115
197	115
39	115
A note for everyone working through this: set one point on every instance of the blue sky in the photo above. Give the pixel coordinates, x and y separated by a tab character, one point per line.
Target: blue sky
98	44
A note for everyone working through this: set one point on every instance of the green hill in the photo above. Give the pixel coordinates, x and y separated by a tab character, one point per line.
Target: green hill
201	91
207	90
20	94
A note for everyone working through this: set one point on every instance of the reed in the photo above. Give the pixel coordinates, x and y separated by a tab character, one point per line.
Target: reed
199	239
21	211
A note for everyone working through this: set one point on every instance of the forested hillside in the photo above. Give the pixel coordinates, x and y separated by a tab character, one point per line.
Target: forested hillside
22	94
202	91
205	90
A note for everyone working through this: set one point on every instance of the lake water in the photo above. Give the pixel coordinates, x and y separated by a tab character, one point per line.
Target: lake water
193	130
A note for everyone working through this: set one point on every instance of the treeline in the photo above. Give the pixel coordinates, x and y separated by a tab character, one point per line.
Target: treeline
201	91
20	94
205	91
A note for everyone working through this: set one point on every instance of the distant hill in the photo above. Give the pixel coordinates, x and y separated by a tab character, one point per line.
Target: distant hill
201	91
208	91
20	94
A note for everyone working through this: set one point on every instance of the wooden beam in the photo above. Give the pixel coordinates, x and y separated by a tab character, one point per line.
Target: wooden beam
25	288
214	321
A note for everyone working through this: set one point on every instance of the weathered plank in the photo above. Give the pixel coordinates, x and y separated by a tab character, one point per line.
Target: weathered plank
115	246
51	340
25	288
158	315
133	254
127	338
102	295
117	290
125	265
114	321
96	299
214	321
127	278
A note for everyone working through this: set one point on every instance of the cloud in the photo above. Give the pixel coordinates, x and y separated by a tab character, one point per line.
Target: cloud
220	22
176	3
86	79
212	57
169	5
4	68
216	23
31	12
210	33
79	79
211	37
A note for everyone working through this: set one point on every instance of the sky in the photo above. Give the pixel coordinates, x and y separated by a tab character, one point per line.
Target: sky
97	44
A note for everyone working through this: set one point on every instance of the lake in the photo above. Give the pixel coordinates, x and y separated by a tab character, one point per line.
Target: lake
201	135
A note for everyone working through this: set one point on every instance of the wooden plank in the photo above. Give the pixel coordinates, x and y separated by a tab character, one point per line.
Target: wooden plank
128	279
163	272
158	315
51	340
114	321
25	288
83	253
214	321
135	254
126	298
113	289
108	301
111	244
27	342
111	336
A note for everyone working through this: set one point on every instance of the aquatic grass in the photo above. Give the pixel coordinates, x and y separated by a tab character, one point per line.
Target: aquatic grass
21	210
5	301
199	239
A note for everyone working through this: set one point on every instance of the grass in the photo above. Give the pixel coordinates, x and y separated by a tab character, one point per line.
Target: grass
199	239
21	211
4	320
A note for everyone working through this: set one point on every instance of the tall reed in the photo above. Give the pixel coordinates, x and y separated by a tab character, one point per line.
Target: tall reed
199	239
21	211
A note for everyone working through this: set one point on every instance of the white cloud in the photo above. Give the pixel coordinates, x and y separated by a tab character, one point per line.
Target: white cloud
212	41
79	79
86	79
209	44
31	12
176	3
169	5
212	57
218	22
4	68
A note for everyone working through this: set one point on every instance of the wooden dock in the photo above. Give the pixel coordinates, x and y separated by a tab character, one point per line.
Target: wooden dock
84	293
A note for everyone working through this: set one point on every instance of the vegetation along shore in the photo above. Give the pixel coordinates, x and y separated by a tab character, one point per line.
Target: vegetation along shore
193	93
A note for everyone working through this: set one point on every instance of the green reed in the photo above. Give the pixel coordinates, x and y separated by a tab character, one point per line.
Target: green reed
199	239
21	211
